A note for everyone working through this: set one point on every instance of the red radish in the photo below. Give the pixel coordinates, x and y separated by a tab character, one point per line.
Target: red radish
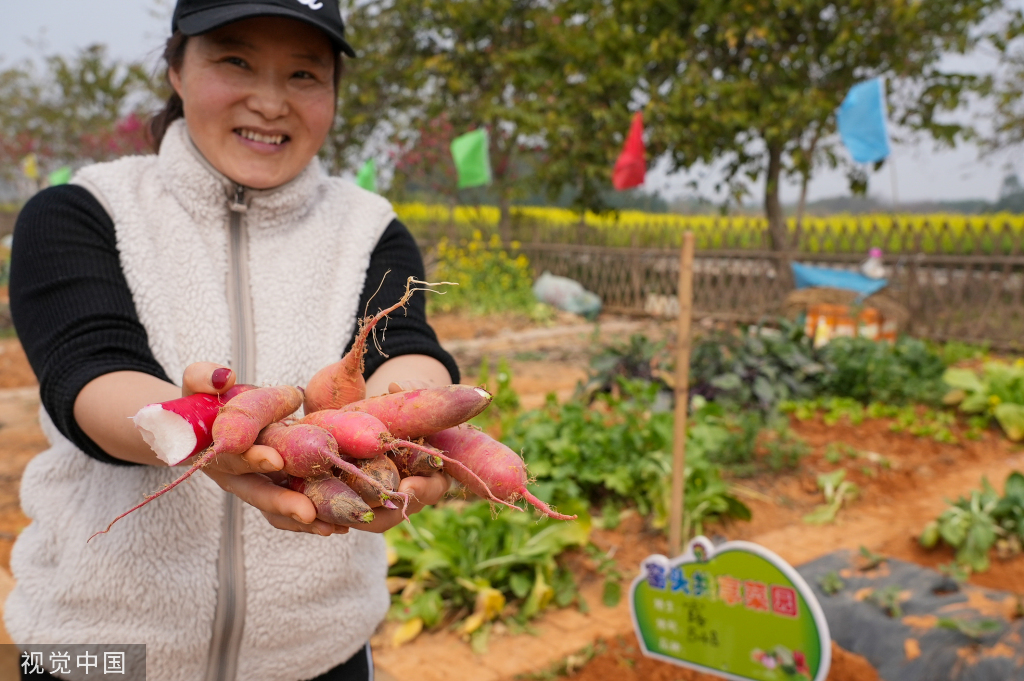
501	467
452	464
413	414
309	452
335	502
235	430
241	420
362	436
342	383
358	435
415	461
382	473
180	428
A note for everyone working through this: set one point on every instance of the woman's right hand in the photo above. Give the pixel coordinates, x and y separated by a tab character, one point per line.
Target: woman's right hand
254	475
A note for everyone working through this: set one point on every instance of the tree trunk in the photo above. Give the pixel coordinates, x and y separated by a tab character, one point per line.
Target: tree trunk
776	219
503	182
801	206
505	218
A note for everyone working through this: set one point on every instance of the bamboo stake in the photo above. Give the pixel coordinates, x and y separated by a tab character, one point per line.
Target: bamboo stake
682	389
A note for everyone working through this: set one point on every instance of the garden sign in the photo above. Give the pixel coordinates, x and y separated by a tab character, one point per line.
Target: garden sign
737	611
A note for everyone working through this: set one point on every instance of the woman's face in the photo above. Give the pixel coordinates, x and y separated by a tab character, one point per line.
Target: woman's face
258	97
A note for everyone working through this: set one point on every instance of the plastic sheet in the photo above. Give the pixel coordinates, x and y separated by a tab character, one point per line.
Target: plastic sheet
566	294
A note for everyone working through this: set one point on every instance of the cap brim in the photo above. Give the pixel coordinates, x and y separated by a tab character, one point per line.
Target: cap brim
207	20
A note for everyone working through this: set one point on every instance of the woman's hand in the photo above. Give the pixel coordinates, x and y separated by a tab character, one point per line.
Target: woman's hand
253	475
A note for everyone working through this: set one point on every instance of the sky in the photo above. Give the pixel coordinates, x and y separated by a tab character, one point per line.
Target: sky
136	29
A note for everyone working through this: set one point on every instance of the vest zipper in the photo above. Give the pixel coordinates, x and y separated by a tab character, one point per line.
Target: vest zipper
229	616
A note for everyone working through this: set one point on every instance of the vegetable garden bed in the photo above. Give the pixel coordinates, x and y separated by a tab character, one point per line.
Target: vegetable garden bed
903	480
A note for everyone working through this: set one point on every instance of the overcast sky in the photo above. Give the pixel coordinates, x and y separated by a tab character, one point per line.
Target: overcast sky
134	29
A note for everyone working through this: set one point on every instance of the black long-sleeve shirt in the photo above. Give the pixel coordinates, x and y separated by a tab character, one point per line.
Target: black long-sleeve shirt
76	319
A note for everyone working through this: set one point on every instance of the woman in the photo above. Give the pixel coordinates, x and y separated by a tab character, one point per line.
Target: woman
227	256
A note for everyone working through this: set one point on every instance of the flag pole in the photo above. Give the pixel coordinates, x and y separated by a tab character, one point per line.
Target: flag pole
682	399
895	189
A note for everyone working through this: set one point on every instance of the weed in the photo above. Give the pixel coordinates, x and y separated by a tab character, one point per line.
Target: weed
973	629
831	583
869	560
888	599
837	492
785	449
568	666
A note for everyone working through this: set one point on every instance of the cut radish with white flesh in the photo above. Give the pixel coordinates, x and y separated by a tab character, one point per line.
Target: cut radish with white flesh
178	429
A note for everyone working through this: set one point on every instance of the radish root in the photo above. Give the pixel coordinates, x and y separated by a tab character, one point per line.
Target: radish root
542	507
455	464
385	494
367	324
201	462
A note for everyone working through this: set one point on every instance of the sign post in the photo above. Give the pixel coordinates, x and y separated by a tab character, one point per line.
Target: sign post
737	611
682	395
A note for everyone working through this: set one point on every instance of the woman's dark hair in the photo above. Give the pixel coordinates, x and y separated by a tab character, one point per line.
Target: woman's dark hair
174	55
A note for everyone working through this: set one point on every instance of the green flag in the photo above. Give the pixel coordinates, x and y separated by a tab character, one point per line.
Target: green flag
367	176
59	176
472	161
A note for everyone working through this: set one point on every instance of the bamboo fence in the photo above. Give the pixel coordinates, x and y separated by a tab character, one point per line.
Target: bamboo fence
957	283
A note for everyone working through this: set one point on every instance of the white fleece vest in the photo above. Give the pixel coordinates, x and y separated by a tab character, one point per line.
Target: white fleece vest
311	602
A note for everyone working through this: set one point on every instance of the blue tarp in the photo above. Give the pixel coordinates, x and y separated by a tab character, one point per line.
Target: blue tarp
806	276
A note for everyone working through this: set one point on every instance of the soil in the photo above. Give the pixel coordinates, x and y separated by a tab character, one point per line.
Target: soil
20	438
904	482
14	369
621	660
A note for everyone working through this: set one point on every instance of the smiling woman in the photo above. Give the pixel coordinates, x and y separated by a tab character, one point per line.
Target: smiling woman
259	97
228	256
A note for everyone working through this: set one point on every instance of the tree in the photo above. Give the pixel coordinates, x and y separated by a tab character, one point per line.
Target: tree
1009	92
750	87
423	161
77	110
586	99
377	96
472	62
19	97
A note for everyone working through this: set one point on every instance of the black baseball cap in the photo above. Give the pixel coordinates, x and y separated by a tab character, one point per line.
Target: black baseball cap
194	17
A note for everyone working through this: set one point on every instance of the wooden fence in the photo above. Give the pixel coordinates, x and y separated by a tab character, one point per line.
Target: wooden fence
958	283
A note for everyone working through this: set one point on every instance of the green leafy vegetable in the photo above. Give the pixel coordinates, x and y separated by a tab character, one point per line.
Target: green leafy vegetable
457	557
619	448
973	525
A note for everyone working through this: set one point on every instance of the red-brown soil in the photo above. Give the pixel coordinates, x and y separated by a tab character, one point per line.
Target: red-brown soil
14	369
621	660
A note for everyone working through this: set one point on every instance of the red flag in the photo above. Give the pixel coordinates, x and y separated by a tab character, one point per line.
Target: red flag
631	165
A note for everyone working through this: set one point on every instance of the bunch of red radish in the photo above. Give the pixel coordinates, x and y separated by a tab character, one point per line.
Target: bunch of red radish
349	452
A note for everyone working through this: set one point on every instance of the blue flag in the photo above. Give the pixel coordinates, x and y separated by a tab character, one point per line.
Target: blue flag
861	120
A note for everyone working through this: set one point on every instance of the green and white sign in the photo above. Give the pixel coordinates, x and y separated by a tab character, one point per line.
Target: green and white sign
737	610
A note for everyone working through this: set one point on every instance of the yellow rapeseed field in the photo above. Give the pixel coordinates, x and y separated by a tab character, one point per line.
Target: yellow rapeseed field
998	233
